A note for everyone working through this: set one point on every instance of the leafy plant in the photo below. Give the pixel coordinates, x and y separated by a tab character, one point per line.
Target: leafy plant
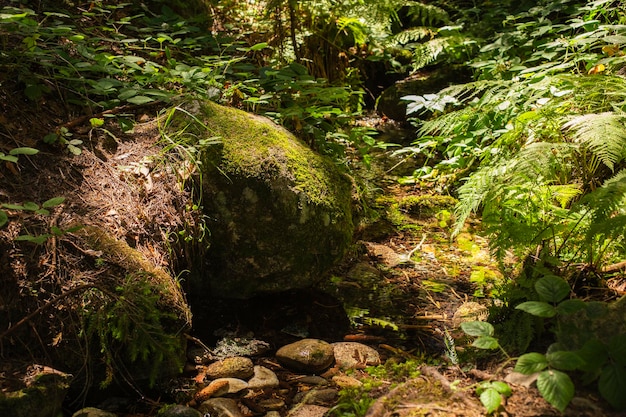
131	328
491	393
600	357
34	208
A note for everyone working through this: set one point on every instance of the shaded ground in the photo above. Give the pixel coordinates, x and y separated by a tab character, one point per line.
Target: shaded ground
405	285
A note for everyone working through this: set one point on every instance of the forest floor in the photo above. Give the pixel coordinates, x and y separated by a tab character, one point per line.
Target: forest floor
406	284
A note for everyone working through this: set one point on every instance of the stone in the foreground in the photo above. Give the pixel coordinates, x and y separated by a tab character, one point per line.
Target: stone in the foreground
353	355
306	355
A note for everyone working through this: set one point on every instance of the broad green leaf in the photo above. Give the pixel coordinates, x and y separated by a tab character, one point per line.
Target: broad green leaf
502	387
139	100
53	202
24	151
556	388
56	231
531	363
612	386
127	93
477	328
617	349
552	288
486	342
259	46
74	150
594	354
96	122
29	205
491	400
13	206
43	212
3	218
8	158
537	308
597	309
34	239
571	306
565	360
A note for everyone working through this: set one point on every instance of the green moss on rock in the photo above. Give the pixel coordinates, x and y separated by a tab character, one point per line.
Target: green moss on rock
282	213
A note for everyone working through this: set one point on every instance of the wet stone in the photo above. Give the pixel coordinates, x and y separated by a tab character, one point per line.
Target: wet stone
306	355
263	378
316	396
221	386
93	412
350	355
179	411
220	407
235	367
272	404
308	410
345	381
312	380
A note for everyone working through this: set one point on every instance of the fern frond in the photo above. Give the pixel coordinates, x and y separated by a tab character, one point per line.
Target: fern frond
426	53
564	194
543	162
609	198
411	35
426	14
604	134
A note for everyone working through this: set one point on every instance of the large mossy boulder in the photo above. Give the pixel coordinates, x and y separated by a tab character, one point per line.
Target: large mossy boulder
281	213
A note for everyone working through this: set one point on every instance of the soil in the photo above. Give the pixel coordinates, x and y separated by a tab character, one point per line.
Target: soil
116	182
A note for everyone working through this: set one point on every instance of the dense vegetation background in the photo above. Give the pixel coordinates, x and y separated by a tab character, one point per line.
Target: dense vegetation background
534	143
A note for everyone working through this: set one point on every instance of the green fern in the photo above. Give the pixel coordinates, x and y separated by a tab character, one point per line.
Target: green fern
603	133
427	14
411	35
130	325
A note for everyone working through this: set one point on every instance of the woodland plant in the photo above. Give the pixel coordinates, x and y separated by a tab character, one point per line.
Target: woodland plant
599	357
543	139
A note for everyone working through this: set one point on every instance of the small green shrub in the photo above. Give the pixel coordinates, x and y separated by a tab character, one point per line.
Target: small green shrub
600	357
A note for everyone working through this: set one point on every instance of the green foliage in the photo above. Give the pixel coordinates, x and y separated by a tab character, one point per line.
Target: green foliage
490	394
600	357
31	208
554	139
131	327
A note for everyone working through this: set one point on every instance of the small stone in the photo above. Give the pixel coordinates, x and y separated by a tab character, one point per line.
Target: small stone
179	411
272	404
312	380
272	414
308	410
306	355
215	389
219	387
349	355
345	381
521	379
220	407
93	412
316	396
235	367
263	378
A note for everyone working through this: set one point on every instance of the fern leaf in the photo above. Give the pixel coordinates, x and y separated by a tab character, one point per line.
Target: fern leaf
412	35
426	53
427	15
564	194
604	134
